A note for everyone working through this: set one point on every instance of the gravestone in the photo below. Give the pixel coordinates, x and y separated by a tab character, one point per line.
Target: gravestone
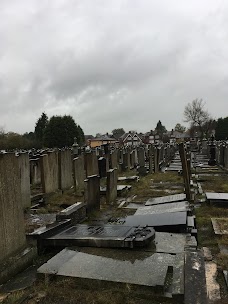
92	192
111	193
114	160
75	212
126	161
91	163
112	236
24	167
156	161
12	230
151	159
195	281
165	222
65	170
127	267
49	172
141	157
35	172
132	159
79	174
166	199
102	167
141	161
163	208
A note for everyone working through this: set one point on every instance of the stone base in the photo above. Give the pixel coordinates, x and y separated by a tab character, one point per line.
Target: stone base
17	263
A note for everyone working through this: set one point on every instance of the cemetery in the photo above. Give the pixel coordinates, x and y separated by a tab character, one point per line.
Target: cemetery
144	224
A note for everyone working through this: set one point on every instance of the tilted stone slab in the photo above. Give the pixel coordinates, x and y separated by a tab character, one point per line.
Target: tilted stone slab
101	236
163	208
166	199
195	281
220	225
166	222
137	268
214	197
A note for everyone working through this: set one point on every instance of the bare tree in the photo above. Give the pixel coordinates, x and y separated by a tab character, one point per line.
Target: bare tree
197	116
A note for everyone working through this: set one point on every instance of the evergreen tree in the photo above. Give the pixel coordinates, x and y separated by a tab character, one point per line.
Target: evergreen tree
40	127
61	131
160	129
221	130
117	133
179	128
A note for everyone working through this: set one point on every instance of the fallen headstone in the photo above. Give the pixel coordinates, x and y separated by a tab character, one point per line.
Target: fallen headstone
166	199
166	222
163	208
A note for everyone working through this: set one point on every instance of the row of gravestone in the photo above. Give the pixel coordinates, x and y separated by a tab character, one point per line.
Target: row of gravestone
221	154
220	151
54	170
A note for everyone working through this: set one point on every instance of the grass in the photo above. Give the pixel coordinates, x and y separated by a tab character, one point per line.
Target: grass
55	292
215	184
144	188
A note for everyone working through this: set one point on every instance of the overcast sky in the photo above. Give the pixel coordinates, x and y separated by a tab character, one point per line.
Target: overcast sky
111	63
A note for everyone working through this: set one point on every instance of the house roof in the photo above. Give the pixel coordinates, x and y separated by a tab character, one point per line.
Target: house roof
132	134
104	137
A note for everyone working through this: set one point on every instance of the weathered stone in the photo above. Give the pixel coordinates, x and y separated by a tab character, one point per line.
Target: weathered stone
75	212
65	170
213	289
35	171
92	197
24	167
195	281
163	208
111	193
166	199
135	268
102	167
12	230
49	172
91	163
79	175
220	225
114	160
207	254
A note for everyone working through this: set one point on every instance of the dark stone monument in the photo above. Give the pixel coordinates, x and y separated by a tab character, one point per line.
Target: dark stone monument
102	167
114	236
212	161
92	193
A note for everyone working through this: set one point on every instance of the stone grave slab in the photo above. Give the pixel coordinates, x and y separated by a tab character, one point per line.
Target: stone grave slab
225	273
213	288
163	208
165	242
134	205
120	188
101	236
128	178
220	225
166	222
178	277
173	169
137	268
166	199
217	198
195	281
75	212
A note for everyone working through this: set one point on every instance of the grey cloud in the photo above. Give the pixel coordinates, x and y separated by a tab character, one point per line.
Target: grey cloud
111	63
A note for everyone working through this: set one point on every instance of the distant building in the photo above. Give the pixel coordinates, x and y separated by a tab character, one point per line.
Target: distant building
131	138
102	140
149	137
